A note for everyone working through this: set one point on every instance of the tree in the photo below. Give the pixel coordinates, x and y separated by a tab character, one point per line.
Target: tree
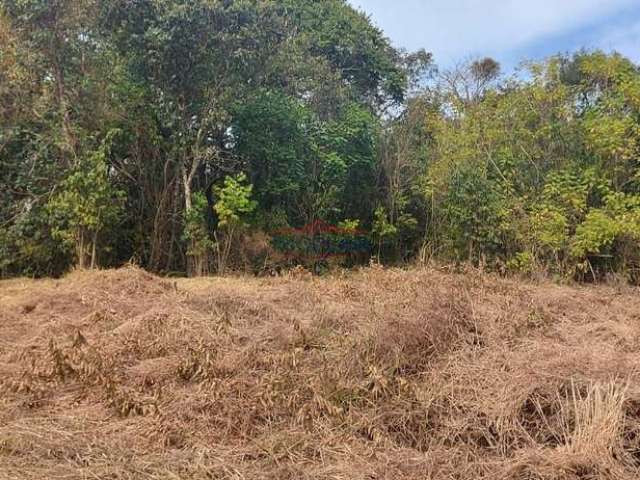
197	235
121	121
309	168
468	81
294	67
55	105
383	230
233	205
86	206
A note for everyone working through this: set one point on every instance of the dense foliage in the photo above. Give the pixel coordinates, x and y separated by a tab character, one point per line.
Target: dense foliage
178	134
539	174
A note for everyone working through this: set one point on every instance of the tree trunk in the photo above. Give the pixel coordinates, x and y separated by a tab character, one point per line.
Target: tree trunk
164	205
80	248
194	261
61	98
93	250
188	205
85	251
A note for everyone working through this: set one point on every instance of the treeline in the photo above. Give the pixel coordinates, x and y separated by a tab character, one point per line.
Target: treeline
533	175
180	134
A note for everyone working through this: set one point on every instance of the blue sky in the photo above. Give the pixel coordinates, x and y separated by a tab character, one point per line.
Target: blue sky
508	30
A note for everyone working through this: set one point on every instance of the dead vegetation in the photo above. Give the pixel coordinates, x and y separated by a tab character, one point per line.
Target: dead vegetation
380	374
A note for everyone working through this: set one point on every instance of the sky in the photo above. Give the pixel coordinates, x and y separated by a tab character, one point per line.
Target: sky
508	30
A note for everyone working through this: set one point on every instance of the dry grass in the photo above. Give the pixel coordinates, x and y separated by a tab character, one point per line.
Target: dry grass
379	374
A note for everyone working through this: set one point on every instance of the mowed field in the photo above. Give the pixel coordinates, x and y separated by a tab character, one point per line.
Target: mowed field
377	374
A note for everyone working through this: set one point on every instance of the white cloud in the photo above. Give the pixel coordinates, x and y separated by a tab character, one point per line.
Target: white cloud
456	28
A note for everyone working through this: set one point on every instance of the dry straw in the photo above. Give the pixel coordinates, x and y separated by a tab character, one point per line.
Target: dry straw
378	374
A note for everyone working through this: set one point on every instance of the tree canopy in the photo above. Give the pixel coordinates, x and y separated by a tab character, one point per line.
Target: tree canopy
134	130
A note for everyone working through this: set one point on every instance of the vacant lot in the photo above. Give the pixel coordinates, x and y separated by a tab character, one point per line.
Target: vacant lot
380	374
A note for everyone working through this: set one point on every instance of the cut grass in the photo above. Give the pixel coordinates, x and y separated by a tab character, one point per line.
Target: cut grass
377	374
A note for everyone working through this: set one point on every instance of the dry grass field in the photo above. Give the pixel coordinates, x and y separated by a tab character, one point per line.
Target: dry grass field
377	374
